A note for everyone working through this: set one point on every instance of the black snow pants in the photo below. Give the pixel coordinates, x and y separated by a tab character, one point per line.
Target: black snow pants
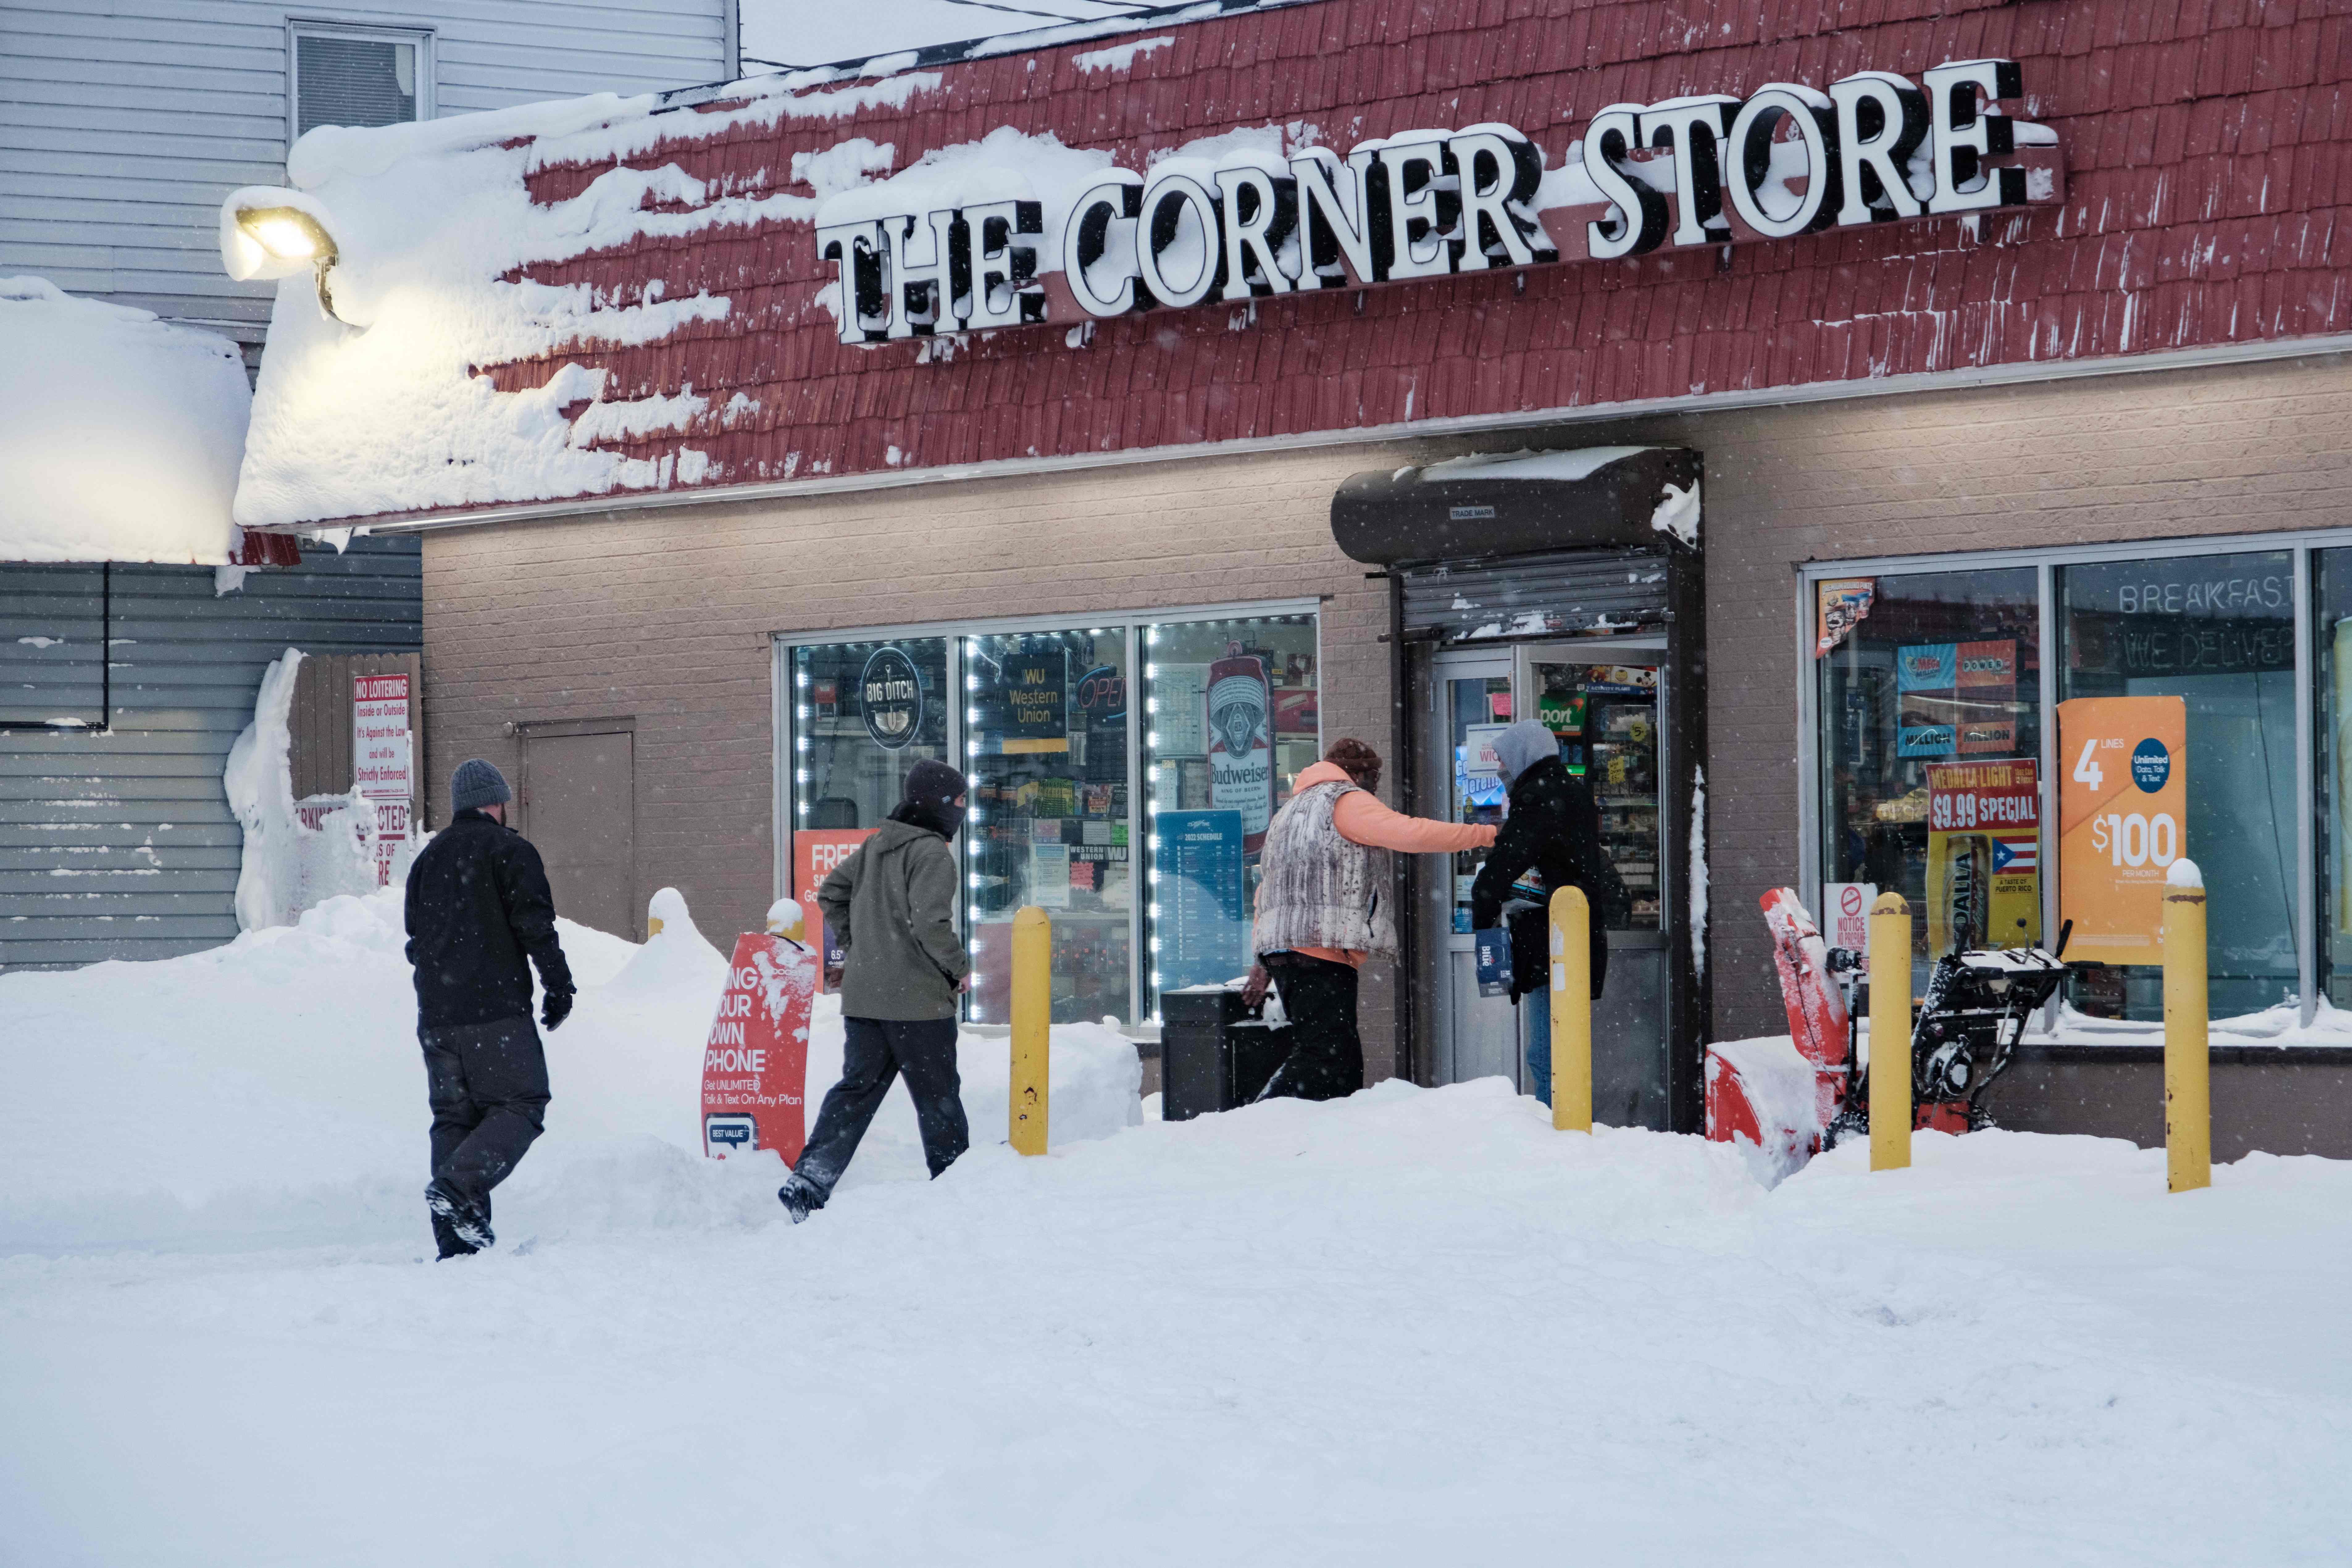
876	1052
488	1083
1326	1055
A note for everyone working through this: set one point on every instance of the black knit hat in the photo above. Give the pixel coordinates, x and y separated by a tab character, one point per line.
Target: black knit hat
933	784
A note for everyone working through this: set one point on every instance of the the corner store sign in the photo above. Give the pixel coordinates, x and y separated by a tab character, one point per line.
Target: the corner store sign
1705	169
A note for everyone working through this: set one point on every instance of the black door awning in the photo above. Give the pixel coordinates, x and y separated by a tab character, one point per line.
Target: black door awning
1519	503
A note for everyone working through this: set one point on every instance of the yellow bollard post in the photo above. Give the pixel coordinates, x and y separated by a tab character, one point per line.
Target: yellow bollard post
2188	1048
1572	1011
1890	1033
1032	1011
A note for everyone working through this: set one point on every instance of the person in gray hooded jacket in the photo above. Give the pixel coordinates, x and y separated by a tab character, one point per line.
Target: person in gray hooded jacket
1551	837
891	905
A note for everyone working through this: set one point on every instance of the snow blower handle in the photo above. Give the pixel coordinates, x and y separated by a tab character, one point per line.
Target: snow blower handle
2063	932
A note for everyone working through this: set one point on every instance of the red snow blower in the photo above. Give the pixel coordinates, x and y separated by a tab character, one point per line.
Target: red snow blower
1963	1037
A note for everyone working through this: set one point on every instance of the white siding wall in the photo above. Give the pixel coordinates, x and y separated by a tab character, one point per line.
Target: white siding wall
123	124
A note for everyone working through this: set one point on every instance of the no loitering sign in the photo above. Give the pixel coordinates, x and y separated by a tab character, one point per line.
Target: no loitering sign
384	758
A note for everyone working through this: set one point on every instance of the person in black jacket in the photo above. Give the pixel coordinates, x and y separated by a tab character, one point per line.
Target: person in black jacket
478	904
1553	830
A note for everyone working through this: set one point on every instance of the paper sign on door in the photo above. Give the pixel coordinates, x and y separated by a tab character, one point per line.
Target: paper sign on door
2123	815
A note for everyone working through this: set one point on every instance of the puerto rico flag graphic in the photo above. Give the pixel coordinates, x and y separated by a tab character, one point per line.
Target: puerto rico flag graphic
2017	852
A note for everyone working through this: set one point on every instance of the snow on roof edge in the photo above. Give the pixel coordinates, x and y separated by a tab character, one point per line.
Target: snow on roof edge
993	46
122	434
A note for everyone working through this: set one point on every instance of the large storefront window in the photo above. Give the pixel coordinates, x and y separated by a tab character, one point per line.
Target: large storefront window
1047	752
1929	699
2217	631
1232	719
1938	772
866	712
1045	723
2332	644
861	714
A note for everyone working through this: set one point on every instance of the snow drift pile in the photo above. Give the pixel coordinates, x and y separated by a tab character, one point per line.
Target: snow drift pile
270	1091
120	433
288	865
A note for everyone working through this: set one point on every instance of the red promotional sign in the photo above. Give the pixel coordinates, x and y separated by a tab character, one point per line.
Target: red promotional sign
815	852
755	1063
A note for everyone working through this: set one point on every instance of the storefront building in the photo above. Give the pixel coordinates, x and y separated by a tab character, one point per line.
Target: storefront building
1792	417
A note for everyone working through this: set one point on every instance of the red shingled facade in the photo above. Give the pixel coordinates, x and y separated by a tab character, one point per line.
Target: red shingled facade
2209	179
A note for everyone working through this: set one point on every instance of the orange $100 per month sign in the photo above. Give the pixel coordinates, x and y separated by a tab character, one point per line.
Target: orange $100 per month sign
2123	817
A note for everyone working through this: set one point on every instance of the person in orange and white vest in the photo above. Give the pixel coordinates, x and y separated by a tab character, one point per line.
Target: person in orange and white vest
1323	909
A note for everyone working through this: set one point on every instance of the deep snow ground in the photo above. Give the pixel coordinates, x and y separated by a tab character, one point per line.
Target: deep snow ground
1412	1327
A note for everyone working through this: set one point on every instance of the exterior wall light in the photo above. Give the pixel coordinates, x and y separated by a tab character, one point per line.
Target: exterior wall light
266	232
288	234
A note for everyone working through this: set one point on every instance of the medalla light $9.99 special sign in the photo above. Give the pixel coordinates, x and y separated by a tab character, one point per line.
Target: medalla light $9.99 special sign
1705	170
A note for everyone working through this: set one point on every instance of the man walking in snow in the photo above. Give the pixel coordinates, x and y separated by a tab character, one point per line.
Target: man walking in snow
479	904
891	906
1323	909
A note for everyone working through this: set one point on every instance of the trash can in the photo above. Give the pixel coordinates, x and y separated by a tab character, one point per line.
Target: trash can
1213	1055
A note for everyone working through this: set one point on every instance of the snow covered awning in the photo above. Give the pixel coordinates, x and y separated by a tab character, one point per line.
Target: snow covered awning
1517	503
120	433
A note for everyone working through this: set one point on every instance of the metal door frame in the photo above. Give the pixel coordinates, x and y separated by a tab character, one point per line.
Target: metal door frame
1446	665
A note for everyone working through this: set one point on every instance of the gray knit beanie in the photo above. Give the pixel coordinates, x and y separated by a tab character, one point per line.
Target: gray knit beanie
477	783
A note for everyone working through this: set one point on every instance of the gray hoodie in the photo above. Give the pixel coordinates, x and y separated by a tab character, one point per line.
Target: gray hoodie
1521	747
892	906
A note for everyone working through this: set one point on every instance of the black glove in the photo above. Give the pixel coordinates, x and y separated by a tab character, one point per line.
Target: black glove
554	1009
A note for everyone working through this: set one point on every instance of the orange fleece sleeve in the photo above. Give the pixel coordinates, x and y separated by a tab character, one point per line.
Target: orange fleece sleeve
1362	819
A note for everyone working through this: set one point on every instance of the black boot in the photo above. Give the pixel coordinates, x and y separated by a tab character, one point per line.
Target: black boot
469	1223
800	1197
445	1236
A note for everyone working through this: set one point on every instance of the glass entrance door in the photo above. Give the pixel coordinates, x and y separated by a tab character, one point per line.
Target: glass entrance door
1477	1037
1606	706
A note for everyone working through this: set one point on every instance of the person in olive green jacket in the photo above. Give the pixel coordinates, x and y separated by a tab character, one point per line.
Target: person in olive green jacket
891	905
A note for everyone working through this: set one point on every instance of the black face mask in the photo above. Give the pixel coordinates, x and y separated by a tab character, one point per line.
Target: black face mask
944	818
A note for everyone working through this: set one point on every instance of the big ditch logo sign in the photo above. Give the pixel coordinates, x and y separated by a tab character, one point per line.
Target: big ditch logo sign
1689	172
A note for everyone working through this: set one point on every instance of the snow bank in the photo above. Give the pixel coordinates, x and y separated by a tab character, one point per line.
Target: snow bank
286	866
120	433
1408	1327
270	1092
1778	1084
780	32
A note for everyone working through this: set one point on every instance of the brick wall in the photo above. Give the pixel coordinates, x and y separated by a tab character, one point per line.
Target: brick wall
667	615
